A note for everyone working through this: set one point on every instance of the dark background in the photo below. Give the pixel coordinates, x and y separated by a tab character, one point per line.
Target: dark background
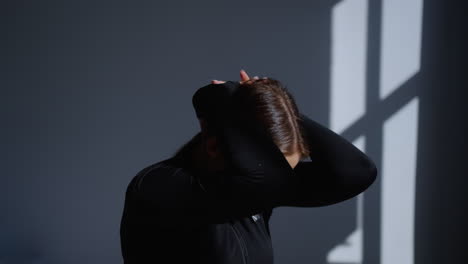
93	91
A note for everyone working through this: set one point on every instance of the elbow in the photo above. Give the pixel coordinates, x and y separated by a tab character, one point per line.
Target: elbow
362	177
369	171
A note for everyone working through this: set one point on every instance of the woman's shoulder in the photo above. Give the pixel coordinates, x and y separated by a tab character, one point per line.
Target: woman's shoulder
161	173
164	184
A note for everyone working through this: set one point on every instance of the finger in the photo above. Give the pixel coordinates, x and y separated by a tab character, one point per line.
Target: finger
249	81
217	82
244	76
255	77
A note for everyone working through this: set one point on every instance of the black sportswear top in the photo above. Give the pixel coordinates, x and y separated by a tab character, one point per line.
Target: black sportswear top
257	177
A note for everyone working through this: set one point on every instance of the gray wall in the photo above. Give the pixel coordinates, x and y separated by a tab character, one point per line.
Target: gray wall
94	91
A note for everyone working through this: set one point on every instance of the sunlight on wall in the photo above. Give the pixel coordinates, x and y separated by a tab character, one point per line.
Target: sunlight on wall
399	61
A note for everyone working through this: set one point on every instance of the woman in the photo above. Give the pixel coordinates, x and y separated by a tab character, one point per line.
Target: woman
211	202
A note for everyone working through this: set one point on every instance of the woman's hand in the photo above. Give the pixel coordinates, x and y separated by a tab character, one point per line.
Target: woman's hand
243	76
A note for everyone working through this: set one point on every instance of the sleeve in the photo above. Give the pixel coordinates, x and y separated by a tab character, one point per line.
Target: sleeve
337	171
259	176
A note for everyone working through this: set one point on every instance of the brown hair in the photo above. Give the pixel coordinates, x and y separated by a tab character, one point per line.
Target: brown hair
271	104
275	108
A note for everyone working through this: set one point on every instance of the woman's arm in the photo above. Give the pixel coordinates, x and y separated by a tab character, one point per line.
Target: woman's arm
257	177
338	170
261	176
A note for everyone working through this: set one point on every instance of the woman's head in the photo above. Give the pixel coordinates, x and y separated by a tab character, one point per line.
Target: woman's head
268	102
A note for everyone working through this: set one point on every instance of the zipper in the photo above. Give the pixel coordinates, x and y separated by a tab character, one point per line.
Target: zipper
241	243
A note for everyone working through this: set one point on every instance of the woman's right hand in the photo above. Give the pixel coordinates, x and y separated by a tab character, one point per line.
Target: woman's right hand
243	76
